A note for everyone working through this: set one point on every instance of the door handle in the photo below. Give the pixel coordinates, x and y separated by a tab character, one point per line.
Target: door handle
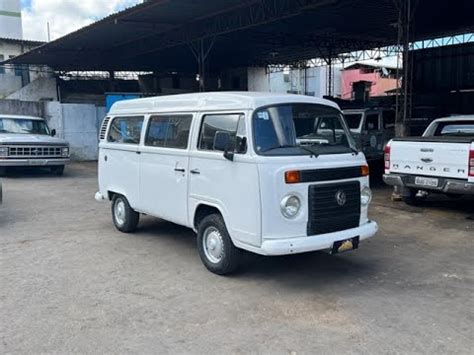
139	153
195	172
180	170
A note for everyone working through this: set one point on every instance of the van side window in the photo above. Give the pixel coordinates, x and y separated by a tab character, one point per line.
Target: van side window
388	119
169	131
372	122
126	130
211	124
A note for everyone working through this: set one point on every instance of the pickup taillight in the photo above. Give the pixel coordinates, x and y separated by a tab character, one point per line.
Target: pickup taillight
386	156
471	162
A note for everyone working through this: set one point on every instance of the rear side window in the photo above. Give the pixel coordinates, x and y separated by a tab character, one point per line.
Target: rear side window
461	129
372	122
212	124
388	119
169	131
126	130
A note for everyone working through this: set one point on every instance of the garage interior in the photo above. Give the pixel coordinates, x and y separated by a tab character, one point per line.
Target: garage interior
203	45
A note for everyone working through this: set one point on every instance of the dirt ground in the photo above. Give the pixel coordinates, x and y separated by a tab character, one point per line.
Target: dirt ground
69	282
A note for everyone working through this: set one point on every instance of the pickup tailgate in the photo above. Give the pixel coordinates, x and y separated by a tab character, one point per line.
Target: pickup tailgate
428	158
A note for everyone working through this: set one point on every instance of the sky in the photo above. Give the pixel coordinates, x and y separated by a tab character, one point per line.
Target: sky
65	16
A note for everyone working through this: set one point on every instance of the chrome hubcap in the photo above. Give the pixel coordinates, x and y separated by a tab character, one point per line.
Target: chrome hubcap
120	212
213	245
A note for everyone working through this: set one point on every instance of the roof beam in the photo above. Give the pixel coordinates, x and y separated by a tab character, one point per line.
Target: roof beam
259	13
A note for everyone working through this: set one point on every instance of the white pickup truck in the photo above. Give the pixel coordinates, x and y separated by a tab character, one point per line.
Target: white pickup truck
440	161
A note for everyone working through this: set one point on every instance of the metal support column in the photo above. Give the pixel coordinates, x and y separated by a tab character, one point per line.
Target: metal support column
201	50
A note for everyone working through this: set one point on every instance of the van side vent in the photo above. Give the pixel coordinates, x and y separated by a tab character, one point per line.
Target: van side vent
103	128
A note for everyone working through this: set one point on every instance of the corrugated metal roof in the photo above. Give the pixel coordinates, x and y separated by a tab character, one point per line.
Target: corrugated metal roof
154	36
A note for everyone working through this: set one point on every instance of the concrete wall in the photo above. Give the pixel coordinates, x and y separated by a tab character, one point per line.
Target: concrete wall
257	79
10	19
9	84
79	125
42	89
312	82
16	107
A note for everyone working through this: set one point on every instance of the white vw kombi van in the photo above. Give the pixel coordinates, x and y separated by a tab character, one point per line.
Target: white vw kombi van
268	173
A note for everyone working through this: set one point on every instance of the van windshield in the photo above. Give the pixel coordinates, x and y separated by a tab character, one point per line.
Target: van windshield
23	126
298	129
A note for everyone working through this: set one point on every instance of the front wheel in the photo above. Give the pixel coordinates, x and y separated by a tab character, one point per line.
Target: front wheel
124	217
215	246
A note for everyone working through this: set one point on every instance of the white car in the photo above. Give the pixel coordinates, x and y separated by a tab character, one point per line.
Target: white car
228	165
27	141
441	161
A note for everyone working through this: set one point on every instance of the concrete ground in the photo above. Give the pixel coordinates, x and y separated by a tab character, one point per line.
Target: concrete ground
69	282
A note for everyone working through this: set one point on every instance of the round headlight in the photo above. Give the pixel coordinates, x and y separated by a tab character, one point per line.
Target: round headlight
290	206
365	196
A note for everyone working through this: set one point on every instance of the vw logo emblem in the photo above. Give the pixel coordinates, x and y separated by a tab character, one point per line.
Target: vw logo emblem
341	198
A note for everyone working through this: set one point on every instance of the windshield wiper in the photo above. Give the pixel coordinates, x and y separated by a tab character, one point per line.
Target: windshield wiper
312	152
278	147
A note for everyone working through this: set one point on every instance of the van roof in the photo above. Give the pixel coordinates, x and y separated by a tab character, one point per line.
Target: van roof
211	101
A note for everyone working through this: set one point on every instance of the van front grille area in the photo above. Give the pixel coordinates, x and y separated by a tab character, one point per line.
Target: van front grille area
333	207
34	152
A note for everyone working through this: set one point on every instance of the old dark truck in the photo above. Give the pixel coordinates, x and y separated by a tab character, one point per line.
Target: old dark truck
371	128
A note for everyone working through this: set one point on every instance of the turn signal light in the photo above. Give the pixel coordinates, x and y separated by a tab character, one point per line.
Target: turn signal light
292	177
364	170
386	156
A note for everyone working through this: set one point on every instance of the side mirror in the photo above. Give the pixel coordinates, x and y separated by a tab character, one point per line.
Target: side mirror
222	143
53	133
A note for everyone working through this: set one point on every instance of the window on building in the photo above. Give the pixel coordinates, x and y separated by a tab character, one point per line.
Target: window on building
169	132
372	122
126	130
234	124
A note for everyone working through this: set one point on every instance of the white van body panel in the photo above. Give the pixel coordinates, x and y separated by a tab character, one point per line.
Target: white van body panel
247	191
274	189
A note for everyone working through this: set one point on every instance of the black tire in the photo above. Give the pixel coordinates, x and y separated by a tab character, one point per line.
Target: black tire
410	198
127	222
3	172
57	170
230	255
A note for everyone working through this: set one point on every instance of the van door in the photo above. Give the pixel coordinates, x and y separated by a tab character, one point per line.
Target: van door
231	186
164	167
119	158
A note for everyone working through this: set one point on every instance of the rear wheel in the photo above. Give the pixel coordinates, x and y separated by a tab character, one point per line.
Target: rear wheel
215	246
124	217
57	170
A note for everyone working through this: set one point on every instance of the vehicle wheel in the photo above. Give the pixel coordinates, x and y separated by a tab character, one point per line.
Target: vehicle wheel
125	218
215	247
3	172
58	170
410	198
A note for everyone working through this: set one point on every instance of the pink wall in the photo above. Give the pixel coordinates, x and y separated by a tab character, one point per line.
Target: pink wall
379	85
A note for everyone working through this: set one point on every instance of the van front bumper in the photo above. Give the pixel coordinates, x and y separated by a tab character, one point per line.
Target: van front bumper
448	186
34	162
316	242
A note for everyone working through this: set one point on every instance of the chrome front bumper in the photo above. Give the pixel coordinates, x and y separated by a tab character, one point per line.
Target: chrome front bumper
448	186
34	162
